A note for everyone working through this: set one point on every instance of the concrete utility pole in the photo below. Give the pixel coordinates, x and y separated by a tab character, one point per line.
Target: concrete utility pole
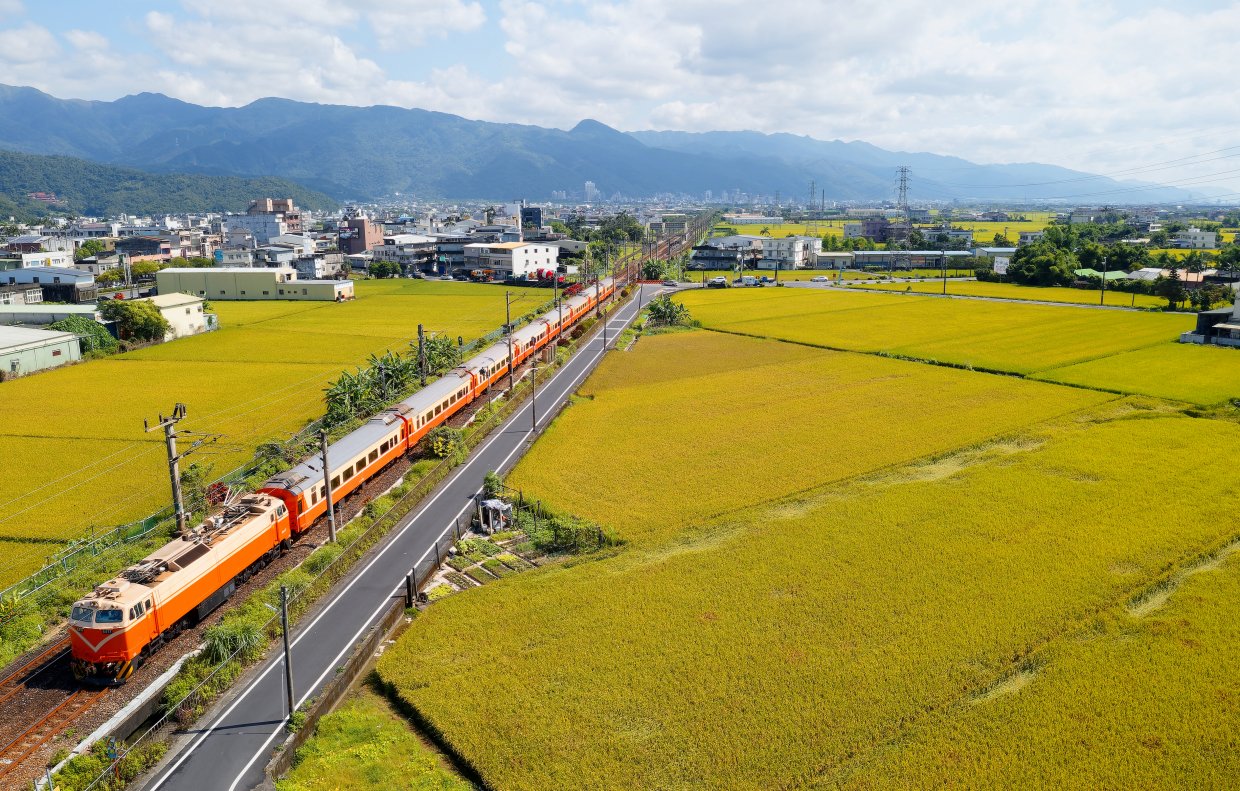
508	330
422	355
534	398
168	424
327	482
1102	295
288	656
944	252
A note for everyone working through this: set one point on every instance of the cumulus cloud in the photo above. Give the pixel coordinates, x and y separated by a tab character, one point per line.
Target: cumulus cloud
1088	84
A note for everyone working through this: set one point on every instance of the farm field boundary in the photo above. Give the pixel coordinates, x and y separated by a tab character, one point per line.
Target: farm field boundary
829	620
1121	352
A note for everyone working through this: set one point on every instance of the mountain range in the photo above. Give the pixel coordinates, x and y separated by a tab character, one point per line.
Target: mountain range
363	153
89	188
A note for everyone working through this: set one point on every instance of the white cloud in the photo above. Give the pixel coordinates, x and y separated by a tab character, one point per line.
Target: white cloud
27	44
1089	84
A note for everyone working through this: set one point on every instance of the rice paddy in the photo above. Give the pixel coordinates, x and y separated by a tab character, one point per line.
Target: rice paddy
976	288
1202	375
1007	336
82	459
841	570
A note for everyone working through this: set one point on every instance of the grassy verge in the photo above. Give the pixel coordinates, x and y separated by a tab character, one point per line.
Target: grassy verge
366	745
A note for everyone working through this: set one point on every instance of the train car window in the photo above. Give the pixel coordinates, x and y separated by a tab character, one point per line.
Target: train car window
374	454
109	616
322	490
335	480
148	604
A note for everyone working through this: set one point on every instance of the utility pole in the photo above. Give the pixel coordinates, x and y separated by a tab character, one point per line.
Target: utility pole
327	481
422	354
508	331
1102	295
534	398
288	657
944	254
168	424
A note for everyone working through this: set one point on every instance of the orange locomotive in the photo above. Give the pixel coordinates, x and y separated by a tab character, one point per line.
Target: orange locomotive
128	617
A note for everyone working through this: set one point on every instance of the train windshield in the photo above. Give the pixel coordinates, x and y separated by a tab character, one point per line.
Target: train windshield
109	616
82	614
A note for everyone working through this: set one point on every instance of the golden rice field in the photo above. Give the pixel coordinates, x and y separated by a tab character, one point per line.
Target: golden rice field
1144	698
834	227
760	416
763	630
1006	336
977	288
698	276
984	231
1184	372
81	459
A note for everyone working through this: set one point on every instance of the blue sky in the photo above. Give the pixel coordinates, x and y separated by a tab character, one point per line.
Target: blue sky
1101	86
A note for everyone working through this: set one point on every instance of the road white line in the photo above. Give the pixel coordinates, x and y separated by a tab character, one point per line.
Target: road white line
391	542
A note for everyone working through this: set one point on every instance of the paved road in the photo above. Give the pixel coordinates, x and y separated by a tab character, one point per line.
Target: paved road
231	751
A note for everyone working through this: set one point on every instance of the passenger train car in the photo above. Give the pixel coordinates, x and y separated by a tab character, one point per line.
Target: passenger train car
127	617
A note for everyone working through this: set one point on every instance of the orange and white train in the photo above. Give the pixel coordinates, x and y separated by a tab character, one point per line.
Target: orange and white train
126	618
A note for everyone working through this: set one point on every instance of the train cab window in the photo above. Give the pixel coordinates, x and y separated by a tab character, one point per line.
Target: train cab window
374	454
109	616
281	510
148	604
81	614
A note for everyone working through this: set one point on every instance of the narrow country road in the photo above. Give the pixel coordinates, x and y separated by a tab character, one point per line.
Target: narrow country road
230	749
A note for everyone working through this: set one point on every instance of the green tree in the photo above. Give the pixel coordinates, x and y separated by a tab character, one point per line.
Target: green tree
88	248
1042	264
91	334
1170	288
136	320
664	310
1001	241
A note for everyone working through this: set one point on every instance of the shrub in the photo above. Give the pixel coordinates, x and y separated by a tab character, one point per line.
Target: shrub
447	442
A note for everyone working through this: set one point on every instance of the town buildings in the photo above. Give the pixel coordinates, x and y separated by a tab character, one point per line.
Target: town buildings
24	350
250	283
510	259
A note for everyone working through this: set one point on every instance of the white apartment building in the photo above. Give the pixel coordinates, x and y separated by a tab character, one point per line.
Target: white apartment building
58	258
1196	239
791	252
262	227
184	314
514	259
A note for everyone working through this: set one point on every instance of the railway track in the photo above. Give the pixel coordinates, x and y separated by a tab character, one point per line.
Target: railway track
38	701
47	727
20	678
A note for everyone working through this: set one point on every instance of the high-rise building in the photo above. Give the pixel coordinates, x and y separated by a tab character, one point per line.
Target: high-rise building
282	208
592	193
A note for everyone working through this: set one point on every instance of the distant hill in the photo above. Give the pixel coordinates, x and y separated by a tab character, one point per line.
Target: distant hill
368	152
90	188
